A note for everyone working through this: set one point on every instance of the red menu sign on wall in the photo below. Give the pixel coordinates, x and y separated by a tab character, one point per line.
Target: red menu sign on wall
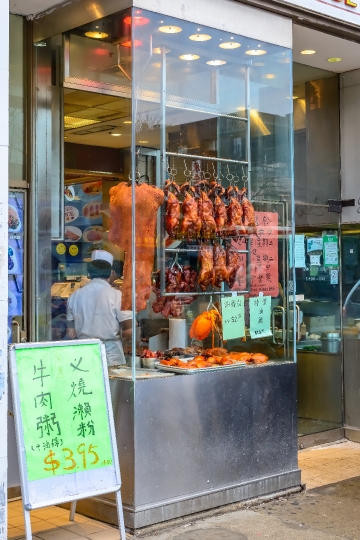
264	257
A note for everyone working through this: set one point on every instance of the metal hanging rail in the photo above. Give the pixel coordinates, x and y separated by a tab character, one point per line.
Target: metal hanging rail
206	158
163	156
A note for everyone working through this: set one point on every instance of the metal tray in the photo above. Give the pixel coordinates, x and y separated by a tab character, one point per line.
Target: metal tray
174	369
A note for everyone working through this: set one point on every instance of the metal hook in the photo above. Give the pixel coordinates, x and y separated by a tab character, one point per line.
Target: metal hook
215	174
244	177
229	176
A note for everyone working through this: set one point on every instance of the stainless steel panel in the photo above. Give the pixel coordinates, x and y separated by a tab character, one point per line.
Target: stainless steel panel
188	444
352	381
122	397
320	387
213	430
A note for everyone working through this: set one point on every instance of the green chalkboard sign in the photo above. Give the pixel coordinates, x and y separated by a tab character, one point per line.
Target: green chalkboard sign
63	410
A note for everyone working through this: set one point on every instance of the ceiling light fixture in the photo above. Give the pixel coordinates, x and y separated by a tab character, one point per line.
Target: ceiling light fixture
72	122
200	37
127	122
334	59
189	57
230	45
170	29
255	52
216	62
96	35
115	134
258	64
308	51
143	142
295	97
270	76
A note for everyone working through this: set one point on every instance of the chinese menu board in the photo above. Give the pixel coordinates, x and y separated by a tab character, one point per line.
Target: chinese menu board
264	257
260	312
15	257
63	410
233	317
83	222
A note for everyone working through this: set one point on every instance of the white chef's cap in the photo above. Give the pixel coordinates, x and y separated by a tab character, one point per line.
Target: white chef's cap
100	256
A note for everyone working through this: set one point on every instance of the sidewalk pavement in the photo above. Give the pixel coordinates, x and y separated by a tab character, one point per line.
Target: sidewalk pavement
329	509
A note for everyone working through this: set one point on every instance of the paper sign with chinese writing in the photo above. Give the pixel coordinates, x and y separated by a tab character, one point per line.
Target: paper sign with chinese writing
260	311
300	251
233	317
331	252
63	410
264	258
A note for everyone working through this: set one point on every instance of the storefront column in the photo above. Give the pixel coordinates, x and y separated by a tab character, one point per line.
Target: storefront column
4	147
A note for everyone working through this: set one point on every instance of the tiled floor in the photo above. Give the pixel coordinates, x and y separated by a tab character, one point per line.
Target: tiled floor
320	466
52	523
323	465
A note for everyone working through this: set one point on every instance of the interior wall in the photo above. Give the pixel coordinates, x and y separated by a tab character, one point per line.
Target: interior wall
350	136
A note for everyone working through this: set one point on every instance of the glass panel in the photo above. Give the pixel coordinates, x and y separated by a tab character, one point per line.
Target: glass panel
317	267
17	100
101	51
316	144
16	270
207	102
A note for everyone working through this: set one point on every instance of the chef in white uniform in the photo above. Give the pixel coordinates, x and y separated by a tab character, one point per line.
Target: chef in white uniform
94	310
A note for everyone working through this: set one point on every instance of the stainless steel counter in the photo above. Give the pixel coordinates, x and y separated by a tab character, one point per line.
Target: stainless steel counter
190	443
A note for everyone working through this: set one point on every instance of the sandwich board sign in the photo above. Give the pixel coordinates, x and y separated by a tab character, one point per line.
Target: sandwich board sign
64	425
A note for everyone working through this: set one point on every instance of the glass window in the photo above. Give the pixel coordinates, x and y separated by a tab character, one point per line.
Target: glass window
187	182
17	169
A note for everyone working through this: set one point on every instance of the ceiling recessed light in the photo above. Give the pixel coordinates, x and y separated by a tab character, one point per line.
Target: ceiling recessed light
143	142
170	29
159	50
334	59
40	44
308	51
115	134
230	45
255	52
189	57
295	97
200	37
96	35
127	122
270	76
216	62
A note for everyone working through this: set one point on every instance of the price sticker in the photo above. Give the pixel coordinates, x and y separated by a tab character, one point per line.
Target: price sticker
233	317
260	308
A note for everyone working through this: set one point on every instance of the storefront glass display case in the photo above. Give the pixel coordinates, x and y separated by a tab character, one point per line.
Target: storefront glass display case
177	158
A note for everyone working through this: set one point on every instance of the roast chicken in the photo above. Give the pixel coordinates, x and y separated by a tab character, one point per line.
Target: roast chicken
248	214
148	200
221	272
236	270
206	273
172	215
234	213
191	224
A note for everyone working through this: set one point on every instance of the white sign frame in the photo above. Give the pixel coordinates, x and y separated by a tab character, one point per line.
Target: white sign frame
84	487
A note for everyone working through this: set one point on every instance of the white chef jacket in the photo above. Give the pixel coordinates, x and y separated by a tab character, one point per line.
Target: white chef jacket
95	310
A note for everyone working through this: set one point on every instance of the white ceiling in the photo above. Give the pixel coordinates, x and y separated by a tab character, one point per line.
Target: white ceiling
325	46
30	7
